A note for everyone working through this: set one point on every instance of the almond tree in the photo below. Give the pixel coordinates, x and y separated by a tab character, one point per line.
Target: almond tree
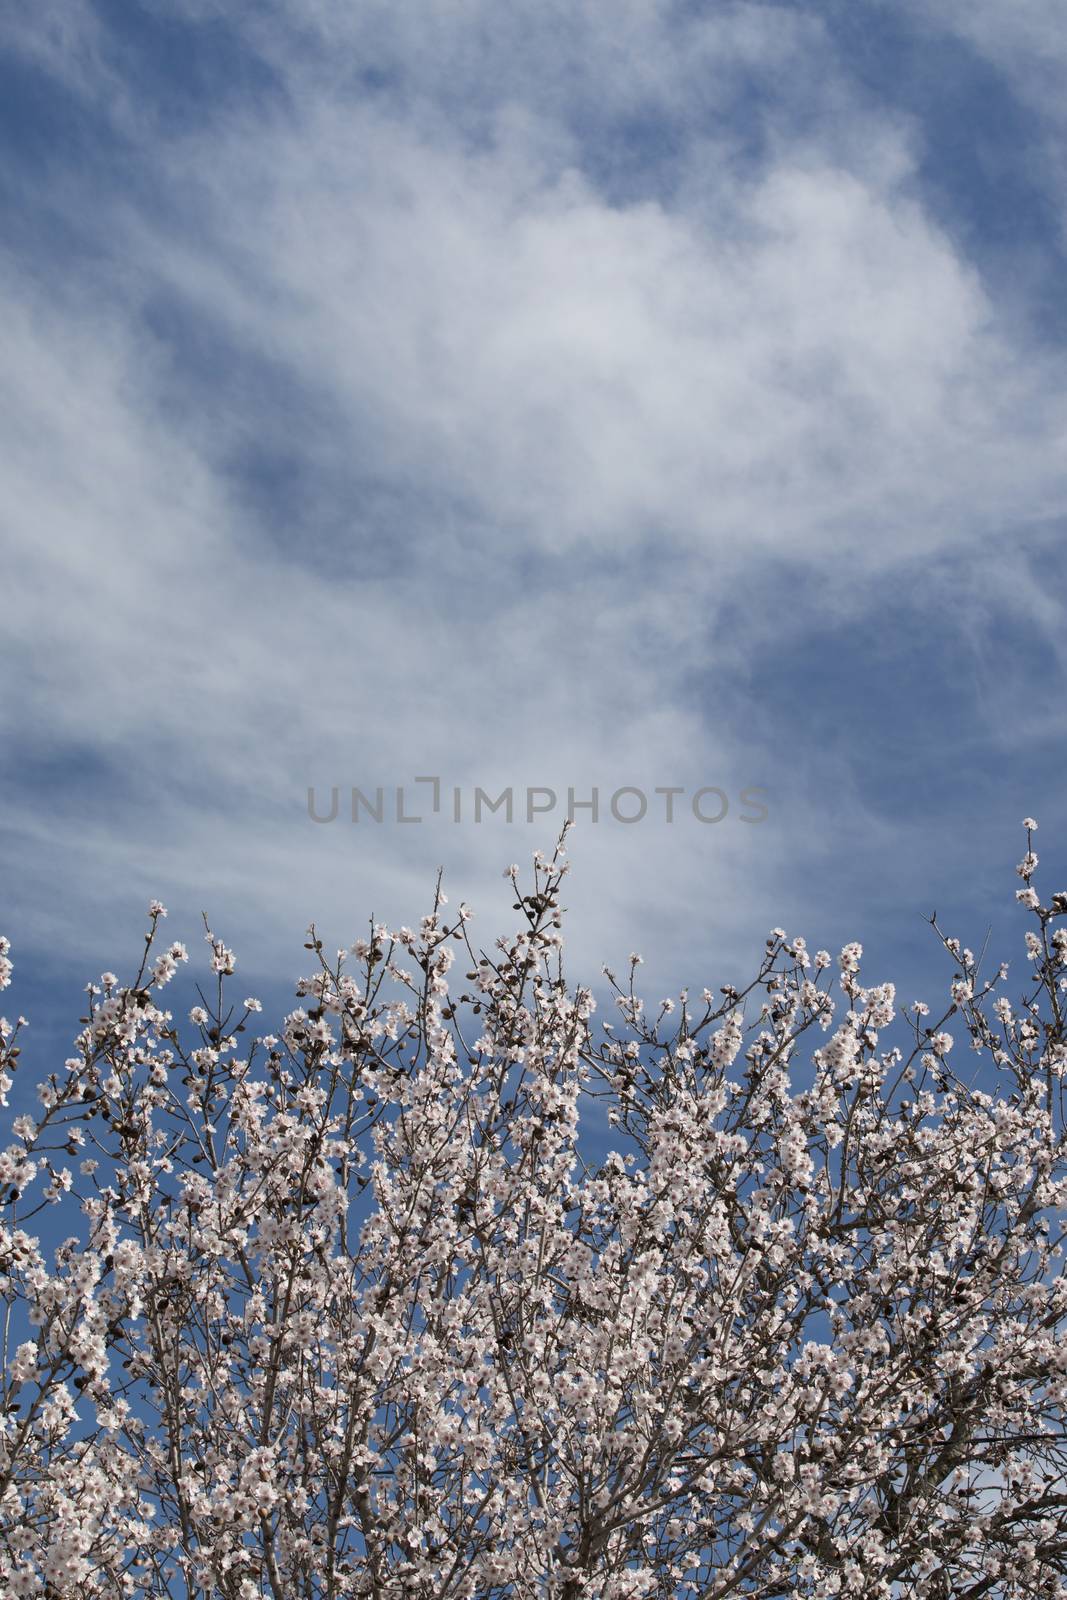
345	1312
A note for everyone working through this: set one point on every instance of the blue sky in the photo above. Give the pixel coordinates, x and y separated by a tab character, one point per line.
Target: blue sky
617	394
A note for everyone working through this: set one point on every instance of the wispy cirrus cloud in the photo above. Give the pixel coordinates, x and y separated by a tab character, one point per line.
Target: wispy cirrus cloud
456	391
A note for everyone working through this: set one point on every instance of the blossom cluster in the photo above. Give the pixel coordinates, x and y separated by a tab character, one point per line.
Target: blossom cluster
346	1310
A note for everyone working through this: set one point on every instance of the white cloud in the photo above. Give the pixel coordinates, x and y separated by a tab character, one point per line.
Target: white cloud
61	37
799	356
603	417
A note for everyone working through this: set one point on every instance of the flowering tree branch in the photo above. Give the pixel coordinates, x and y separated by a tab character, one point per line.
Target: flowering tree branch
344	1311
